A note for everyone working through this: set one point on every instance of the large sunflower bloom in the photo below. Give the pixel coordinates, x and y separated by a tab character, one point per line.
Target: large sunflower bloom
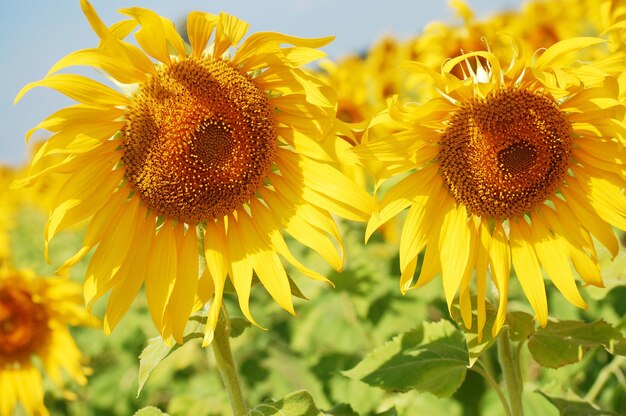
212	149
516	166
34	315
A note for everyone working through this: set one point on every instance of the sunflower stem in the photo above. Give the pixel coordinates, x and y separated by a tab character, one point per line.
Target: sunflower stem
494	385
226	364
603	377
512	377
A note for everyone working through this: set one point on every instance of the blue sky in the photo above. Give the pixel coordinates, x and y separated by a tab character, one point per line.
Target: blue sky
34	34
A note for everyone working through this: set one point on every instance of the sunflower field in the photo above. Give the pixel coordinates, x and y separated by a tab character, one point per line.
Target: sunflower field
226	221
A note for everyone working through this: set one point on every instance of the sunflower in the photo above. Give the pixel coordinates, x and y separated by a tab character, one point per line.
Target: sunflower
518	165
539	24
34	316
219	146
7	206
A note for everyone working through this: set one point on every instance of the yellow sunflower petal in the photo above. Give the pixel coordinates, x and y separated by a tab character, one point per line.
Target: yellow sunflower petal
264	217
111	252
62	355
132	274
240	267
267	42
266	263
155	34
272	275
500	263
123	28
482	263
552	255
431	264
110	41
161	275
303	227
217	256
126	73
328	188
29	389
398	198
556	51
606	197
586	215
181	302
200	25
413	238
527	268
8	396
206	290
78	116
565	222
587	266
407	275
79	88
454	249
230	30
465	305
71	211
465	302
97	227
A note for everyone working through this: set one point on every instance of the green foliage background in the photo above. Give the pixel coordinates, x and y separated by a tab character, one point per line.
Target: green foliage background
321	349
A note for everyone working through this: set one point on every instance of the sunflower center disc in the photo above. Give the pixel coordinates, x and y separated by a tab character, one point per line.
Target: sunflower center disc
199	141
22	322
503	155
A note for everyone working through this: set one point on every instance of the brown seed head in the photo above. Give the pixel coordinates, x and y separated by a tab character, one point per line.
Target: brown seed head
199	140
503	155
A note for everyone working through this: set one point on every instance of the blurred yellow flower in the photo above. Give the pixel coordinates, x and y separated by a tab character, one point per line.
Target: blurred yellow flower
210	150
34	315
7	206
539	24
515	165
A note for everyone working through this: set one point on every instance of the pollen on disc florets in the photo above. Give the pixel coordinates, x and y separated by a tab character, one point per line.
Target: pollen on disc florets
23	323
199	141
503	155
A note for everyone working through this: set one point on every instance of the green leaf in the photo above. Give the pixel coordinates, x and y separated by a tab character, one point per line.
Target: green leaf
150	357
295	290
565	342
299	403
521	325
341	409
157	349
293	287
389	412
150	411
237	326
432	357
575	407
475	345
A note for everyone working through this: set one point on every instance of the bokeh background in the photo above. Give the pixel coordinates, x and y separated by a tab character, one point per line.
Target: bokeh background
34	34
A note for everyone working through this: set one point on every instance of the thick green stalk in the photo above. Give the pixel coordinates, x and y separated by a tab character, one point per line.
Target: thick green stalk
512	377
226	364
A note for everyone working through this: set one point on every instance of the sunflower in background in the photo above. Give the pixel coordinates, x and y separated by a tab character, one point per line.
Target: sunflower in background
517	165
539	24
35	313
542	23
211	150
7	206
363	83
614	16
